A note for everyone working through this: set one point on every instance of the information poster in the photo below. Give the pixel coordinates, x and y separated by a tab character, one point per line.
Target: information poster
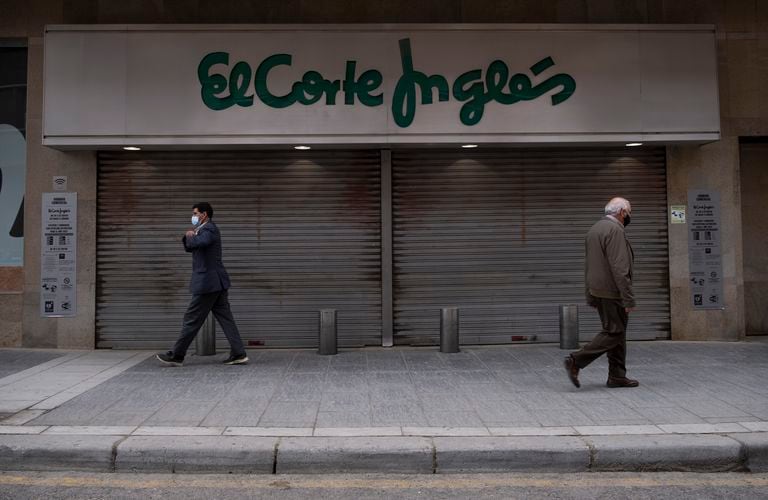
704	250
58	259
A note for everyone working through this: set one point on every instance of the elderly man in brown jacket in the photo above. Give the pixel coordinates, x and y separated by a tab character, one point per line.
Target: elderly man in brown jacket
608	280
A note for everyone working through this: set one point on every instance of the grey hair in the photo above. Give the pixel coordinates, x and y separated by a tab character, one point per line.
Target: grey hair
616	205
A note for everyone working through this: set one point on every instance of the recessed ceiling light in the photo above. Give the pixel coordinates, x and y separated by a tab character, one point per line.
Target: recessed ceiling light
302	148
131	148
633	144
469	146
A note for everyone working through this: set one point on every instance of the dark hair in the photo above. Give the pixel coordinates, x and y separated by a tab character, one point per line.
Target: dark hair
204	206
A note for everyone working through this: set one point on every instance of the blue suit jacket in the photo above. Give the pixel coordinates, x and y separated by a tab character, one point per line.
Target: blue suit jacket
208	273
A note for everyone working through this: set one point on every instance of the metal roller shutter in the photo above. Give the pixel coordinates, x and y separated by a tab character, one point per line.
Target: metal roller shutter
300	232
500	234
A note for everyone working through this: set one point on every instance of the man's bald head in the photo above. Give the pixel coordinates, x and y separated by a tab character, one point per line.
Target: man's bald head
616	205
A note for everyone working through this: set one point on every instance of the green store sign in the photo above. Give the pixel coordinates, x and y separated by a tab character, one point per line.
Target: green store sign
473	88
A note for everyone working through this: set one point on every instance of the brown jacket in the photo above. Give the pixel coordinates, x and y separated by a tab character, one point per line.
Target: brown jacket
608	263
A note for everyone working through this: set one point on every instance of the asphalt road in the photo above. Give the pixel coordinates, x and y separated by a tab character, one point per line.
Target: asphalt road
19	485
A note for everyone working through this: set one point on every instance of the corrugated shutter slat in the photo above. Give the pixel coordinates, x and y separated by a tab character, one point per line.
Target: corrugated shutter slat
500	234
301	232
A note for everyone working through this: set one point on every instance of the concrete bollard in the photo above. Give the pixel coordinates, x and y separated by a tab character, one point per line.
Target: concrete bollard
327	332
449	329
205	342
569	326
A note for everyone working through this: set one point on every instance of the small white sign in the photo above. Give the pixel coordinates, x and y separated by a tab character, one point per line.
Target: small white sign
677	214
58	255
59	182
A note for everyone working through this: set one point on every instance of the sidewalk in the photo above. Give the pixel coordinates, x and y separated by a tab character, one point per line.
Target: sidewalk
700	406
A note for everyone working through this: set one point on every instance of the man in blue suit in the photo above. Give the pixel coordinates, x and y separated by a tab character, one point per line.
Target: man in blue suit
209	285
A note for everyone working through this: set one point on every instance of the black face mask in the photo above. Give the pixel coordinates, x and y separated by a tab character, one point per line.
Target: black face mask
627	218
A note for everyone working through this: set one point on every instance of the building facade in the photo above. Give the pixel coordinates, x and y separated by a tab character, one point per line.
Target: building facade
387	218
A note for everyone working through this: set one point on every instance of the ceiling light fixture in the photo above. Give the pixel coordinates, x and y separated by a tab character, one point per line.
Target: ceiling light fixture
469	146
131	148
302	148
634	144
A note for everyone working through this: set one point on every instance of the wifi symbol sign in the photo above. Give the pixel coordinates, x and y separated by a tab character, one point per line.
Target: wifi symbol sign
60	183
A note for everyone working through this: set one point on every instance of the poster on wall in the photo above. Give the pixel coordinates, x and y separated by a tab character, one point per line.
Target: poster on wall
704	250
13	152
58	259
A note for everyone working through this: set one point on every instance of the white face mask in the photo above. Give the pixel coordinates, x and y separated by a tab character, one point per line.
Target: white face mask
195	220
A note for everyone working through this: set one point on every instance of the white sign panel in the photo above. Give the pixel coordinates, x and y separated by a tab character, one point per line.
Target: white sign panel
138	85
704	250
58	259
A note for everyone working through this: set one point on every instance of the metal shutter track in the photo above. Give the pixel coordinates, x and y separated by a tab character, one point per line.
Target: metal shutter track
500	234
300	232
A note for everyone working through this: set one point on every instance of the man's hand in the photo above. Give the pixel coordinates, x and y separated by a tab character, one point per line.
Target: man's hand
190	234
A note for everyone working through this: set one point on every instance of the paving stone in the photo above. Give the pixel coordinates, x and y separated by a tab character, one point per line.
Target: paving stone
445	431
532	431
13	361
702	428
642	397
345	401
395	394
181	413
453	419
178	431
670	415
290	414
353	381
309	363
616	430
728	420
329	419
122	416
436	382
385	361
379	378
103	430
444	402
21	418
710	407
756	426
462	361
601	411
557	418
13	406
22	429
486	392
298	392
423	361
474	377
387	414
502	411
545	401
225	415
268	431
357	431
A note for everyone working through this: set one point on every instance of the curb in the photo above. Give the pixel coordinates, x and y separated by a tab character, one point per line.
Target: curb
399	454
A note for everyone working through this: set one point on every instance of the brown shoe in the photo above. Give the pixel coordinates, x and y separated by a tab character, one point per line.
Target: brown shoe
572	370
622	382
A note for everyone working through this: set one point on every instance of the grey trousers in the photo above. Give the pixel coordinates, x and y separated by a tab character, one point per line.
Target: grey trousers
612	339
197	311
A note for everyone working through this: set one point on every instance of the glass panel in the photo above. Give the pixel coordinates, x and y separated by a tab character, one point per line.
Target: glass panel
13	153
